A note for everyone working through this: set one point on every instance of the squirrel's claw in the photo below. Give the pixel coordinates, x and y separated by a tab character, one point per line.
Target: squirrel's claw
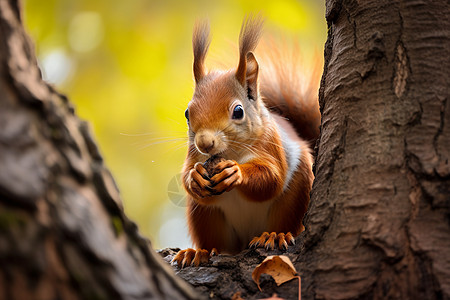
258	241
183	257
290	238
227	179
282	244
201	257
191	257
269	241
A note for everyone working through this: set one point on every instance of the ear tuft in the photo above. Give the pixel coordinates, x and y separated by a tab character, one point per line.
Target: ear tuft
200	44
248	40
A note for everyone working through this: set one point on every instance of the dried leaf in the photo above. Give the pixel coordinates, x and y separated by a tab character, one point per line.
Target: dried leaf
274	297
279	267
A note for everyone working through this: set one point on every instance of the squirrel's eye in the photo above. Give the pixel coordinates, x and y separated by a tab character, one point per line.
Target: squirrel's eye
238	112
186	114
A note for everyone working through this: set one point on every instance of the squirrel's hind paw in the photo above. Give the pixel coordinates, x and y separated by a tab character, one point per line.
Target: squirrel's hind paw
191	257
268	241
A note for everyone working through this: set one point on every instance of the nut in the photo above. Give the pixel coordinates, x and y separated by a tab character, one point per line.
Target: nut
211	163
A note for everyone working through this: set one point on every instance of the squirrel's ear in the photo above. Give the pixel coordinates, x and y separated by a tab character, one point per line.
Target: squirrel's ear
200	44
251	76
247	70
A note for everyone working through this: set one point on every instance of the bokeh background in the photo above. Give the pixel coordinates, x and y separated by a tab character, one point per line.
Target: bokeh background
126	66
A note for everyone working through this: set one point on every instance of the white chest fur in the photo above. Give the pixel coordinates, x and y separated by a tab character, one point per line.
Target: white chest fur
246	219
293	153
249	219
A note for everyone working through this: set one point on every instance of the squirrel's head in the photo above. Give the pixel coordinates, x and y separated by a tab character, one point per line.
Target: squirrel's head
226	112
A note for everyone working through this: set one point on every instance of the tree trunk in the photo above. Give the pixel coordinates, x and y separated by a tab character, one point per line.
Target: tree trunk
378	224
63	233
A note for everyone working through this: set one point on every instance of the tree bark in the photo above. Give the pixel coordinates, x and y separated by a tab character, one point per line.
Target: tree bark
63	232
378	224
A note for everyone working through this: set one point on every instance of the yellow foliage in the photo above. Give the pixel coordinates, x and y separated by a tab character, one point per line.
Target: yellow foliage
126	65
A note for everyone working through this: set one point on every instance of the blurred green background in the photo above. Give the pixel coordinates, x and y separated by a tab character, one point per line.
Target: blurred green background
126	65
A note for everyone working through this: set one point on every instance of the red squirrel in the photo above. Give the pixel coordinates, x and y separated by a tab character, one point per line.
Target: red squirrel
263	181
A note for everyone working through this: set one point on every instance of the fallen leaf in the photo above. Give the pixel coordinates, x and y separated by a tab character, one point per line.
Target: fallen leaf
279	267
274	297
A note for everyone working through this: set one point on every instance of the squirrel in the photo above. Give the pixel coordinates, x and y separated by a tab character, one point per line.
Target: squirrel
261	127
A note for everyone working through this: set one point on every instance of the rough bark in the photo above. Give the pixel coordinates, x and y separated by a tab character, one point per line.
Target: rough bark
63	232
378	222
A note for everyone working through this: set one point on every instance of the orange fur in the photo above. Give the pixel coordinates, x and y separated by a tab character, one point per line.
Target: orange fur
255	145
248	40
287	91
264	176
203	236
200	44
285	214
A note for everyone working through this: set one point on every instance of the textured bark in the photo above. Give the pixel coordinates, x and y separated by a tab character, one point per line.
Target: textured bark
378	222
63	232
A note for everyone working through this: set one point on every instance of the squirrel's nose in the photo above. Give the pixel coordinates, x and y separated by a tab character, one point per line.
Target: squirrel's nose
204	142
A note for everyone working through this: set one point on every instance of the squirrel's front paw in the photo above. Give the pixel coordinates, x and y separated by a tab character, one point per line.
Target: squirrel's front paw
268	241
228	175
198	182
191	257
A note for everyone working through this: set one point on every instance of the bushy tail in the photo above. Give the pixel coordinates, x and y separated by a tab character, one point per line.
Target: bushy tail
288	89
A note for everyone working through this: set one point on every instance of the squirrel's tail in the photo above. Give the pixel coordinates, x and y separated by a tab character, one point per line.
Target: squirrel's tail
286	90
